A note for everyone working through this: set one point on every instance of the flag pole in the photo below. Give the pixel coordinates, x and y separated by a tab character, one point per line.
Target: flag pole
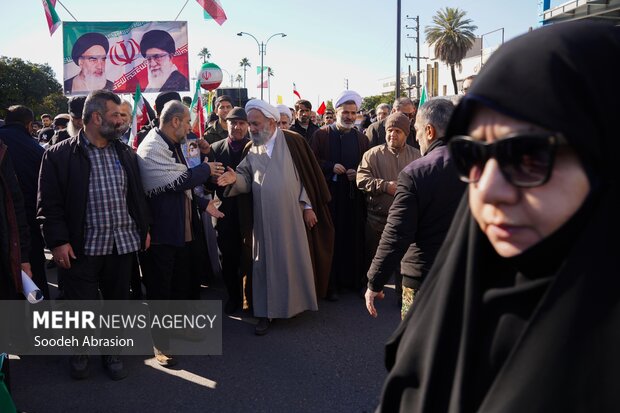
63	6
182	8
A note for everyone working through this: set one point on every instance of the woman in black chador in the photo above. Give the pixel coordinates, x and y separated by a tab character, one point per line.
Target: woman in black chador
521	312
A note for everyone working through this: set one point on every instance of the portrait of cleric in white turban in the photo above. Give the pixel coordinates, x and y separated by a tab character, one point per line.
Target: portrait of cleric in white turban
89	52
157	47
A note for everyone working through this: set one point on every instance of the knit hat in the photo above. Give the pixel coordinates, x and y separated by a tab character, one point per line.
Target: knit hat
400	121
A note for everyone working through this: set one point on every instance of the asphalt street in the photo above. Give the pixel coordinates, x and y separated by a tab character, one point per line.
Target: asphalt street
325	361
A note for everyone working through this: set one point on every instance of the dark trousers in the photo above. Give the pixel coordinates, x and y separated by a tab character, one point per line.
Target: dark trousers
230	244
373	237
89	274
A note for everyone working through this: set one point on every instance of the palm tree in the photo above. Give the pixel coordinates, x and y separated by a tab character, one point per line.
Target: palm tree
244	63
453	36
239	79
205	54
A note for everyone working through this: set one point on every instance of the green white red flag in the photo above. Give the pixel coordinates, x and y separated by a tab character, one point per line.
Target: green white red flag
423	96
140	117
213	9
197	114
295	92
53	21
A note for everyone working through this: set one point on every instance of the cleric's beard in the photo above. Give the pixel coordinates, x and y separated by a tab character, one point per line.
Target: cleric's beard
261	137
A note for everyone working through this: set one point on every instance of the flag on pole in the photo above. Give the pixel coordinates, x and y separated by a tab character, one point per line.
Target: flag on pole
213	10
280	100
264	85
197	113
321	109
139	117
423	97
295	92
53	21
260	69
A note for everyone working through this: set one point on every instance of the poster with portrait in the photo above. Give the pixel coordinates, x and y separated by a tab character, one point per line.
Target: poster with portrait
119	55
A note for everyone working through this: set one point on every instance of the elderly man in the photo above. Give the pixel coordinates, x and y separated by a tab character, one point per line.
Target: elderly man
76	107
127	116
303	124
285	117
93	212
292	233
168	184
376	177
158	49
229	153
219	129
383	111
429	190
90	54
376	131
339	149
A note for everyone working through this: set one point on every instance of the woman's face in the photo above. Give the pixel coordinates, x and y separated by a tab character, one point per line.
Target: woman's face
513	218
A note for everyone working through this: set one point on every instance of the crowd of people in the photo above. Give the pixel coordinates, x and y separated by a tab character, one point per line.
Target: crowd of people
307	207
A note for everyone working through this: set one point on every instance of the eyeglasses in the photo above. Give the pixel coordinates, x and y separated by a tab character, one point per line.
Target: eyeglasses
94	59
409	115
525	160
158	57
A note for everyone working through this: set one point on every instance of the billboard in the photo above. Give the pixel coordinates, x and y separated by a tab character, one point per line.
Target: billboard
119	55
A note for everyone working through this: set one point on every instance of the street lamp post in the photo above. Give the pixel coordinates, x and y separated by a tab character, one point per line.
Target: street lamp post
482	48
262	49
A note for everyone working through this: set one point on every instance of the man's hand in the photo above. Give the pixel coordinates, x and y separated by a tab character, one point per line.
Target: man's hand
147	243
204	146
351	173
391	188
216	168
370	300
339	169
227	178
212	209
62	255
26	268
310	218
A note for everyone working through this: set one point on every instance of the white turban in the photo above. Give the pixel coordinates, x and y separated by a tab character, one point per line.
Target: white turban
284	110
346	96
267	110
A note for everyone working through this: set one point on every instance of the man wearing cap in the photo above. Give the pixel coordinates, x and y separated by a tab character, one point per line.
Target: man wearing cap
218	130
158	49
339	148
376	177
90	54
76	106
406	106
229	152
428	194
292	231
285	117
303	125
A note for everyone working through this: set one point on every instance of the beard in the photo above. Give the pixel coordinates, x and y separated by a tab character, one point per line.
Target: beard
110	131
72	130
158	77
94	81
343	124
261	137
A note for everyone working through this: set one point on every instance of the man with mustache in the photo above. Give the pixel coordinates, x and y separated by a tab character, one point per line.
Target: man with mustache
90	54
93	212
339	148
292	232
158	49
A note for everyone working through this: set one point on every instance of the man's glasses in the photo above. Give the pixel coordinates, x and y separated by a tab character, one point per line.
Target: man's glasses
94	59
525	160
409	115
157	57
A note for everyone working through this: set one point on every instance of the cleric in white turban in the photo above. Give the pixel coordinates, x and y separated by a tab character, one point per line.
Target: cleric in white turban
348	96
268	110
285	117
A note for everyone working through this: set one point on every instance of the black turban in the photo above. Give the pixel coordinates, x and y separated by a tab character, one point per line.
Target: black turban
87	41
158	39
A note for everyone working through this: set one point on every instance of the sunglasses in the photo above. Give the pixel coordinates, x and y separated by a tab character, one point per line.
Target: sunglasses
525	160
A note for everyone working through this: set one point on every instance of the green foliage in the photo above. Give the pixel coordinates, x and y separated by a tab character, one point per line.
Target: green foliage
245	62
30	84
205	54
371	102
453	36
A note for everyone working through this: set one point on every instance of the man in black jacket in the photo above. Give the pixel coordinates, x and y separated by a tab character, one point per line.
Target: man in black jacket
428	193
303	124
93	212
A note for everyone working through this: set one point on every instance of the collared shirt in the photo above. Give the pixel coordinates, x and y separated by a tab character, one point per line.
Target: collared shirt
108	223
271	143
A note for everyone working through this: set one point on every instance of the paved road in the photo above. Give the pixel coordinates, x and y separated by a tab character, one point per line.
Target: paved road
325	361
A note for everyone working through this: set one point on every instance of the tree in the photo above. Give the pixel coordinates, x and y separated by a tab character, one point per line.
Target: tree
239	79
244	63
205	54
453	36
371	102
30	84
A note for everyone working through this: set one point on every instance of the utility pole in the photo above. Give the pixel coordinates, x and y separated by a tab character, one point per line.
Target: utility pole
417	57
346	83
398	48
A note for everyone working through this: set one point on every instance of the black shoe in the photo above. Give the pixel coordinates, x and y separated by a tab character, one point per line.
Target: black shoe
262	326
231	306
114	367
332	295
79	366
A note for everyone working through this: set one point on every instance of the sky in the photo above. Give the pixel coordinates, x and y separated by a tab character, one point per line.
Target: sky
327	42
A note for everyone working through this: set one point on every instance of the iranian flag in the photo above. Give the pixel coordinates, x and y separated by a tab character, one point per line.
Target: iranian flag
140	117
423	96
214	10
295	92
53	21
197	113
